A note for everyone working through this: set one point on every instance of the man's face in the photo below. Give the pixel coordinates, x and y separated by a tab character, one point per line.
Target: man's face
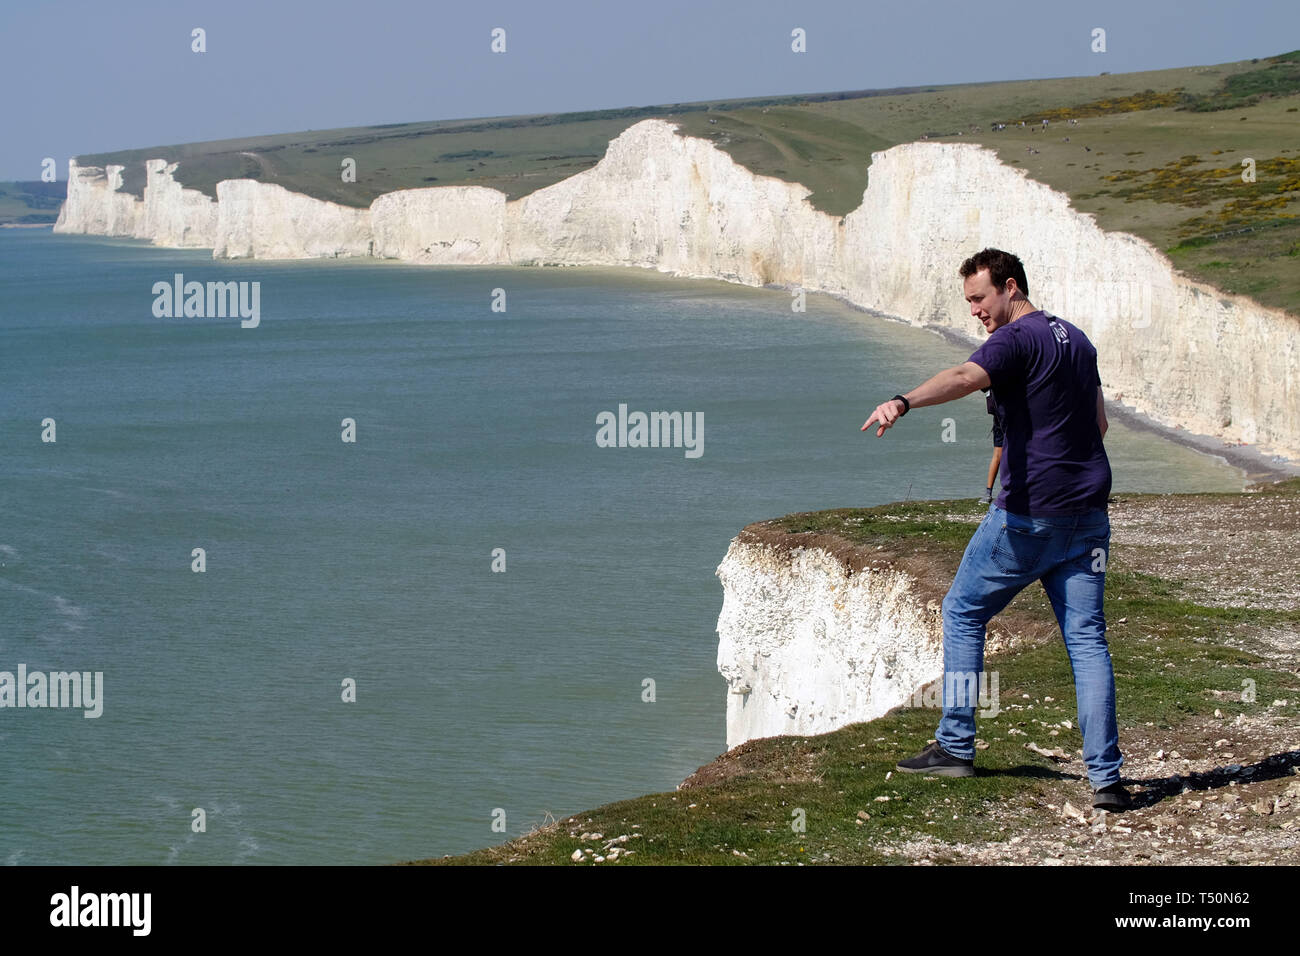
991	307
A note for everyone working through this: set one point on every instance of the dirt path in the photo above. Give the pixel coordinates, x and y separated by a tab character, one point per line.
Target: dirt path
1225	550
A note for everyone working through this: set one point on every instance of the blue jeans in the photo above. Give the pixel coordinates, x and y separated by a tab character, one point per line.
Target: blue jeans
1007	553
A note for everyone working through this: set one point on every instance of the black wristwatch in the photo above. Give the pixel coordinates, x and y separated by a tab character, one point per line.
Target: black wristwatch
907	406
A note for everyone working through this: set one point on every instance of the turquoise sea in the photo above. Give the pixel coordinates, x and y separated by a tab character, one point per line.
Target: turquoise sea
326	561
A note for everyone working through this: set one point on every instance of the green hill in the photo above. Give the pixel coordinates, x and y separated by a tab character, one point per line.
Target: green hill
31	202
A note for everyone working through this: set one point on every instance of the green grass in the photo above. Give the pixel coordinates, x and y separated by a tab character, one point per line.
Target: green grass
31	201
844	772
1169	660
1279	77
887	523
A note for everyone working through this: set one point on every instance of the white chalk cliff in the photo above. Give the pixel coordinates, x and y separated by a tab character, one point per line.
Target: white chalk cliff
95	206
265	221
172	215
1178	351
807	646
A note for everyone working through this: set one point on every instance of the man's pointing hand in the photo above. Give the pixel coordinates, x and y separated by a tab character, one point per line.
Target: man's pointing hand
886	414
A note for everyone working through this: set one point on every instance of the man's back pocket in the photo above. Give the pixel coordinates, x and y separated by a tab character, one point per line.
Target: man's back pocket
1019	546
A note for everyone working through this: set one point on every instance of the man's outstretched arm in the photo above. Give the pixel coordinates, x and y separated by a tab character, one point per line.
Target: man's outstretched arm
951	383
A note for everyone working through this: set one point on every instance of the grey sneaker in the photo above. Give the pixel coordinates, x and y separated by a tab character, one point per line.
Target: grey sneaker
935	761
987	497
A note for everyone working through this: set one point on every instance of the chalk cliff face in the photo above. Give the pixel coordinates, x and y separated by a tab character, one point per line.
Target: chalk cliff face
676	204
265	221
1178	351
807	647
451	225
94	206
172	215
249	219
169	214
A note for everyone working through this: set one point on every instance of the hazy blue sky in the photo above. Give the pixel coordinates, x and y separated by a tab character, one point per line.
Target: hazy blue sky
83	77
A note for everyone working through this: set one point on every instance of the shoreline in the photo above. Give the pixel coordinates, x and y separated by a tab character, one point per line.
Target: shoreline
1258	467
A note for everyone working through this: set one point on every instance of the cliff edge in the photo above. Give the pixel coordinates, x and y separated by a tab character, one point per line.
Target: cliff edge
1203	625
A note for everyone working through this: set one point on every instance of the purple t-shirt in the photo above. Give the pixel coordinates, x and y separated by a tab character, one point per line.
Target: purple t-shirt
1045	380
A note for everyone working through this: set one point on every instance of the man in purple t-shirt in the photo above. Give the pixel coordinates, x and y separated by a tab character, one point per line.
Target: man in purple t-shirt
1049	523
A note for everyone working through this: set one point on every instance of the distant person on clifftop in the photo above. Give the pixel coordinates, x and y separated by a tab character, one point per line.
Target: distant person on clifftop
997	448
1049	523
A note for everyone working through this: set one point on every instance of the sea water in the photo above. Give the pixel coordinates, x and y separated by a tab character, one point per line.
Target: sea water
472	613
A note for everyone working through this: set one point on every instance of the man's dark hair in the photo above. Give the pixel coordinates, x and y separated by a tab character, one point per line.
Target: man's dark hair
1001	265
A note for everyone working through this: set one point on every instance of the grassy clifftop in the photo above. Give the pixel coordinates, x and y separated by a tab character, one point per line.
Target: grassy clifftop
1203	621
